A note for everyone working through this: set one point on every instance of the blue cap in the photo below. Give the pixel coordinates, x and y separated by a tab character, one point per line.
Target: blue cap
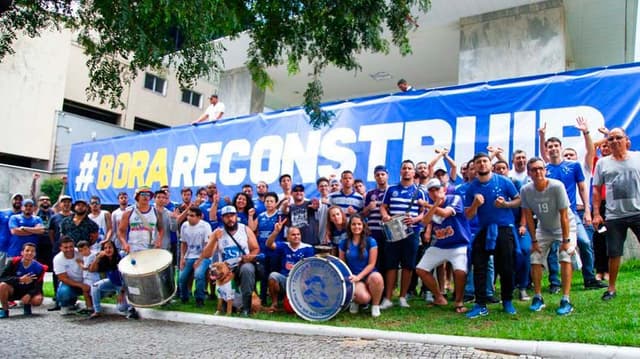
27	201
380	168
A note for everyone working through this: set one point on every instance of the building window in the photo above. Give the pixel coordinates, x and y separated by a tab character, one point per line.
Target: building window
191	97
154	83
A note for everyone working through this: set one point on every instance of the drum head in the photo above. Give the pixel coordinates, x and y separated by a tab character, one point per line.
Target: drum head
144	262
317	288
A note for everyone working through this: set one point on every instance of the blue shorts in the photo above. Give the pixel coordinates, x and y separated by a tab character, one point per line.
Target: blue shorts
402	252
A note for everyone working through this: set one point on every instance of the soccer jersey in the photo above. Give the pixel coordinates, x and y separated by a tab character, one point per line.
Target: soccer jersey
205	208
570	174
195	237
546	205
352	256
142	236
229	250
266	225
488	213
401	200
344	201
17	221
453	231
5	232
292	256
374	219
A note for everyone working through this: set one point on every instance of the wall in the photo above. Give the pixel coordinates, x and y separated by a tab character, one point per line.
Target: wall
239	94
33	82
513	42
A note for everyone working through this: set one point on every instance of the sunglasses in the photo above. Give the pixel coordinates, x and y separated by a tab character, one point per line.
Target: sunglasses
94	203
145	194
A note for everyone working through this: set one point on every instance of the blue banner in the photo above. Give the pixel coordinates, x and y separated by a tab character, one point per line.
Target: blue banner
366	133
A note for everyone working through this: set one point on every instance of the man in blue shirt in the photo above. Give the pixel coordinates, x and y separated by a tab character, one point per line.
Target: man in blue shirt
347	198
571	175
491	196
25	228
5	233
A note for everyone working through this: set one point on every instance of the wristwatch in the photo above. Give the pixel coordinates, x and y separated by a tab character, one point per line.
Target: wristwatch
566	240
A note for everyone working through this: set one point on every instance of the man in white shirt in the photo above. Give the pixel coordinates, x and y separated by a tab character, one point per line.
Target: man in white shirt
213	113
69	272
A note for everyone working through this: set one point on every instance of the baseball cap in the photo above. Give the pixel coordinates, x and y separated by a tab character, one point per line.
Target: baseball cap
27	201
434	183
298	187
380	168
80	200
17	194
228	210
440	169
65	197
142	189
334	181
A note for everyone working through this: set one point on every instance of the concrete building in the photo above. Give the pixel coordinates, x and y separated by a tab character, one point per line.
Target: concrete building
44	107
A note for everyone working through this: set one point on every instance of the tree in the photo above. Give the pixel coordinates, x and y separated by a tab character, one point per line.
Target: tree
122	37
52	188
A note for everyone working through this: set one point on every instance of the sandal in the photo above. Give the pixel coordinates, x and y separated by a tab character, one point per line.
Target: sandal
461	309
95	315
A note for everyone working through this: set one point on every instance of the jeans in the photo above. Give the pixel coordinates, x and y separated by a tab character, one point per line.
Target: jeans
105	287
199	276
469	288
67	295
503	260
523	261
584	234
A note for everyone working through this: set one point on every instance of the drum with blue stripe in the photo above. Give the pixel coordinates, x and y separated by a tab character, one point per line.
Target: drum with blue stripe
319	288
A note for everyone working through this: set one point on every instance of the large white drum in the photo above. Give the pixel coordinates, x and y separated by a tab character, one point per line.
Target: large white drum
395	229
318	288
148	277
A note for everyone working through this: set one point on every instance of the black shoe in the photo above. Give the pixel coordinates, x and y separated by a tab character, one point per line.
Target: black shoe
56	307
607	296
468	298
493	300
199	303
554	289
595	284
133	314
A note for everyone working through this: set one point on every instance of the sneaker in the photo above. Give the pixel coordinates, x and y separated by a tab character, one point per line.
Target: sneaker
607	296
403	302
4	313
245	313
595	284
26	310
375	311
537	304
386	304
468	298
477	311
132	313
554	289
493	300
54	308
508	307
565	308
429	297
85	311
354	307
12	304
524	296
67	310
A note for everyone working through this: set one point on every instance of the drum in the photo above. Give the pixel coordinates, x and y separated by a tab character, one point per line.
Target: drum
319	288
321	250
395	229
148	277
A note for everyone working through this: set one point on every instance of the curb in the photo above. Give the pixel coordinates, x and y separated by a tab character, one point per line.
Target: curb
505	346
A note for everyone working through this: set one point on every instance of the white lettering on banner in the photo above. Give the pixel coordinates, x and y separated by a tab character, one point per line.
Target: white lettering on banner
292	153
240	147
414	134
305	159
379	136
343	155
557	119
269	147
183	165
465	131
500	131
524	125
206	153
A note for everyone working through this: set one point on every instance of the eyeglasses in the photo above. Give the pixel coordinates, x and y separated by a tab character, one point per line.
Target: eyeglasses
144	194
94	203
617	138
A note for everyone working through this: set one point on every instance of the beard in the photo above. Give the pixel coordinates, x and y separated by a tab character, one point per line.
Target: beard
17	206
81	213
484	173
45	206
231	227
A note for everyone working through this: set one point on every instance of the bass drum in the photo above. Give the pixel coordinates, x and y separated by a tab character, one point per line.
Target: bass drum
319	288
148	277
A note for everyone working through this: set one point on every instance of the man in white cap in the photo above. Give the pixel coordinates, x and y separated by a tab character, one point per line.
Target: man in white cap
238	247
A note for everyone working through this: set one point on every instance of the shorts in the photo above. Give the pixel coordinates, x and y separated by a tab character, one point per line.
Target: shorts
545	241
18	293
617	233
435	256
402	252
280	279
4	259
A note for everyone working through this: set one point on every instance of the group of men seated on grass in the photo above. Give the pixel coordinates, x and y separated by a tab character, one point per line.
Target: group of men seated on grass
555	211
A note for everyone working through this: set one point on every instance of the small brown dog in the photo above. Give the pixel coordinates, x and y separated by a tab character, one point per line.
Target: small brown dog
228	294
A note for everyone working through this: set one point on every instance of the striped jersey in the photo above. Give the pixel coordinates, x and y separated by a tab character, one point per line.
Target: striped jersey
398	198
374	219
345	201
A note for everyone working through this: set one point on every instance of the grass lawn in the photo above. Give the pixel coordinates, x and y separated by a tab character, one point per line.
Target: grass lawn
596	322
